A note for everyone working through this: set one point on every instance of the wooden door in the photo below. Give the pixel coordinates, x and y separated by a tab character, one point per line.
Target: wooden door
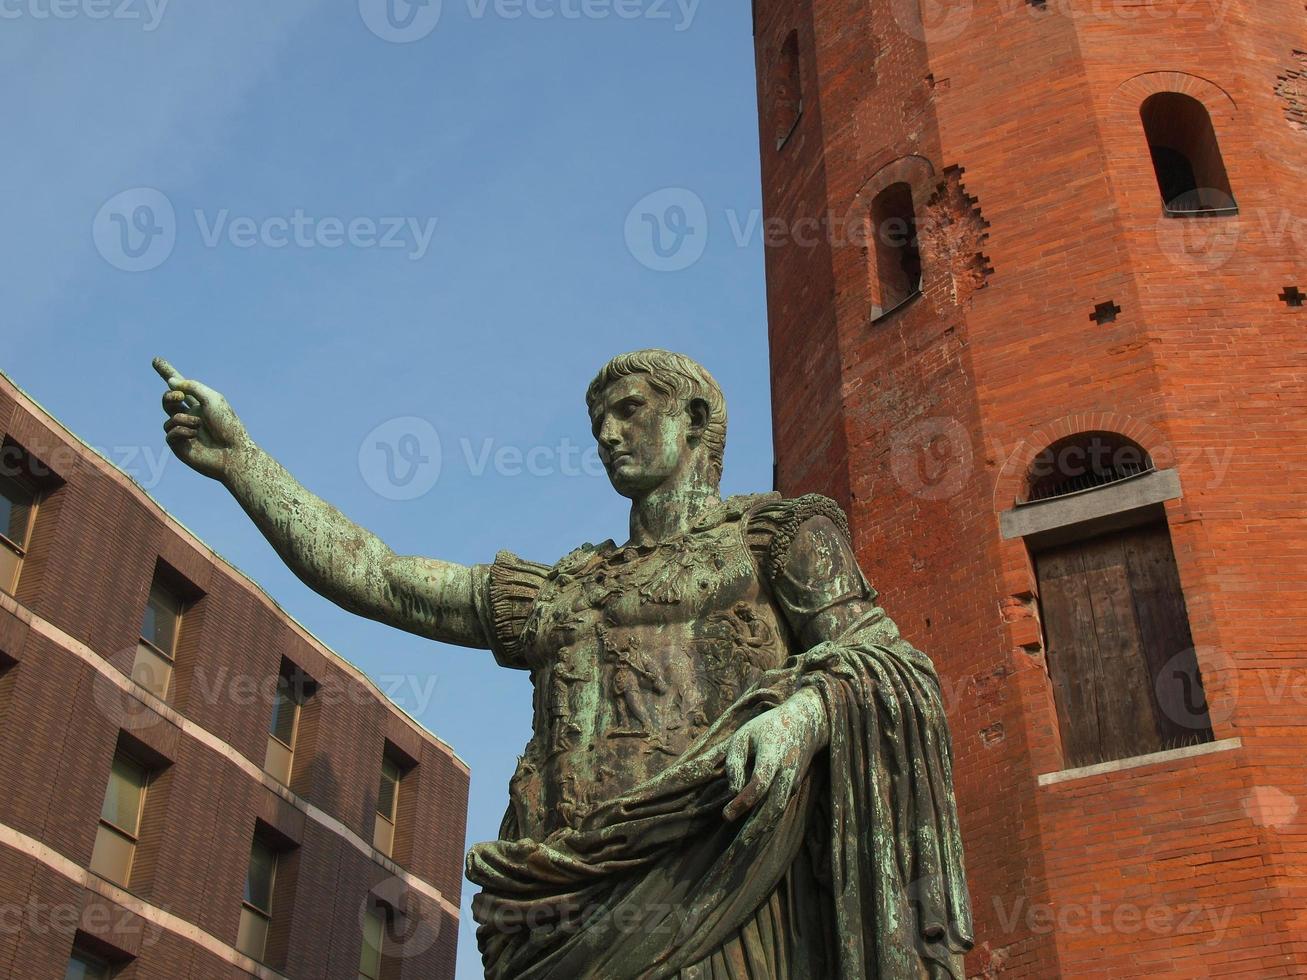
1118	647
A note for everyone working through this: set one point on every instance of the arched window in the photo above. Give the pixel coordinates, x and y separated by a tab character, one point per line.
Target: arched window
1082	462
893	251
787	90
1186	156
1117	643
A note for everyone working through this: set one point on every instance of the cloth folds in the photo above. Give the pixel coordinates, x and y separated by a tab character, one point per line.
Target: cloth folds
656	881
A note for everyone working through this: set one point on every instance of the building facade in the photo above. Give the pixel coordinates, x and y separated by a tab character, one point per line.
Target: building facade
1036	288
194	786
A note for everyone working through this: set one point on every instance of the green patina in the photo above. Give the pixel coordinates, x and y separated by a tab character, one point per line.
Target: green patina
738	767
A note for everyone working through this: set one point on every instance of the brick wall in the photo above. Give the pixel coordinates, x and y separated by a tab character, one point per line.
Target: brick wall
65	648
1044	206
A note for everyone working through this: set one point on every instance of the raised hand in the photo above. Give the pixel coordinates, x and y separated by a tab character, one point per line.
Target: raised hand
202	429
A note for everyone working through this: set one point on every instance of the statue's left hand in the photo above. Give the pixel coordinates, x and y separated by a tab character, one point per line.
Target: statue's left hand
781	742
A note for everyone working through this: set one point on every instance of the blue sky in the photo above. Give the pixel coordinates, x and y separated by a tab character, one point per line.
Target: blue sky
342	215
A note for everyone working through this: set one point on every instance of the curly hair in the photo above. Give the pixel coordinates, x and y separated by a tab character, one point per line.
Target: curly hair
680	378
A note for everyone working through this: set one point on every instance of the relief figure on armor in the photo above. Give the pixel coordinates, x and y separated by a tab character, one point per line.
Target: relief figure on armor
738	767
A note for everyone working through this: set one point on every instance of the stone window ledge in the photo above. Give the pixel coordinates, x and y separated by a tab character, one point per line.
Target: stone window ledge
1089	511
1152	759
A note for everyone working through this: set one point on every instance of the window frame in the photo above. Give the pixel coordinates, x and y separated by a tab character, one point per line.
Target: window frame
104	968
295	685
264	916
390	821
880	251
169	657
132	837
379	914
20	550
1204	149
787	73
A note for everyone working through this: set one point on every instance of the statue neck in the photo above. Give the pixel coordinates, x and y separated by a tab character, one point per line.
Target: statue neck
669	512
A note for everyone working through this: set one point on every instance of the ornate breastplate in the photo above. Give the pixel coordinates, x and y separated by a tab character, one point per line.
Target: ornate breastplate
640	648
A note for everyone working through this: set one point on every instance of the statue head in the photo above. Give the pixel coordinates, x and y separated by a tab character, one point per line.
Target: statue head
658	417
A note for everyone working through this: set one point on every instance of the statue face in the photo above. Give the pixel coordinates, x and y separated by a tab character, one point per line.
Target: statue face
641	444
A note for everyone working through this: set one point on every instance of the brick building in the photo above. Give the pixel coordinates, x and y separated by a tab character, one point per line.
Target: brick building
1036	289
194	786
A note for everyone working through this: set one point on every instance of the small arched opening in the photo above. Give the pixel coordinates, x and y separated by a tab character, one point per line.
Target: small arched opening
787	90
1187	160
894	253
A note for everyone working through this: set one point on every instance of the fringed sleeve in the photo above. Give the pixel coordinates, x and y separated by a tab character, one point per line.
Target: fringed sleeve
507	592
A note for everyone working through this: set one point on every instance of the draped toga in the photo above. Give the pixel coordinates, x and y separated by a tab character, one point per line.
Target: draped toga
614	860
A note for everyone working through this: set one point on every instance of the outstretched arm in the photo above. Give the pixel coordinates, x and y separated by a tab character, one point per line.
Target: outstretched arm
331	554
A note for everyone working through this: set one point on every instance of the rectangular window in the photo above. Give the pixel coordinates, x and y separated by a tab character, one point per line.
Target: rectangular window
84	966
156	651
120	820
383	832
374	938
256	907
18	501
284	724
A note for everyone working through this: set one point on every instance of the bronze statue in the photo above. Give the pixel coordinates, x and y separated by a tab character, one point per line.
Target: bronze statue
739	769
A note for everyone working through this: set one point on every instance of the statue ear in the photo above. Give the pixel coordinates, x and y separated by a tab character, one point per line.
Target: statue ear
699	416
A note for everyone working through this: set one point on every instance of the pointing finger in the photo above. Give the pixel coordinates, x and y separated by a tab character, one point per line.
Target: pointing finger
171	375
165	369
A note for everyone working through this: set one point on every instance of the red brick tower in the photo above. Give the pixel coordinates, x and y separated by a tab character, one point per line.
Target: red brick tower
1038	321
